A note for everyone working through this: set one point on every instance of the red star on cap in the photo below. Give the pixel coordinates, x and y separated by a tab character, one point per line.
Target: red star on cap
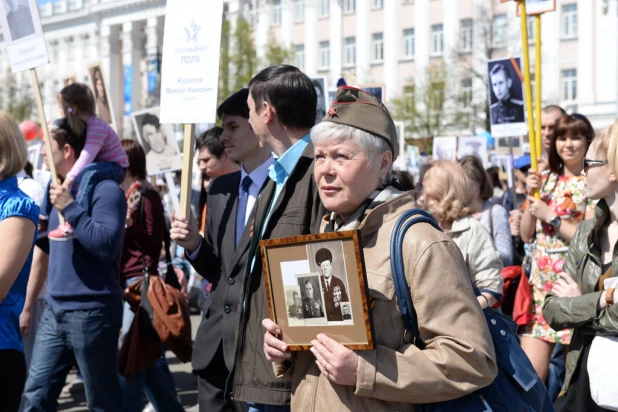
332	112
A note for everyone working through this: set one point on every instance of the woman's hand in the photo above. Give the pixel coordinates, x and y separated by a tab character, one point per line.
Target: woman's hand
515	221
336	362
274	348
566	287
533	181
540	210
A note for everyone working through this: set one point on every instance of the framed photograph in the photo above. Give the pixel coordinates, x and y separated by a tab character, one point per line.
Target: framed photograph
101	94
317	284
378	90
322	104
506	97
158	141
331	97
473	146
23	34
34	155
538	7
444	148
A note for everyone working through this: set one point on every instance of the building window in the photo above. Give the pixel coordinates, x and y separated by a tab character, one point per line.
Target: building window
299	11
324	55
437	39
349	6
377	4
569	21
465	35
299	56
408	43
408	95
86	46
377	47
569	84
349	51
324	8
276	13
466	92
500	30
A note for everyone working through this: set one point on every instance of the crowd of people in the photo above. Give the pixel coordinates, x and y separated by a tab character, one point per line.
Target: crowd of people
80	245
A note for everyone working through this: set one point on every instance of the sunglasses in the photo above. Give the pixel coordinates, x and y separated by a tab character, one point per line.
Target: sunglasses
593	163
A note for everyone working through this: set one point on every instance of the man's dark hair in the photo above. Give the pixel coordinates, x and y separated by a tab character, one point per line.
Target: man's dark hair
289	91
137	158
499	67
151	119
63	134
573	125
210	140
235	105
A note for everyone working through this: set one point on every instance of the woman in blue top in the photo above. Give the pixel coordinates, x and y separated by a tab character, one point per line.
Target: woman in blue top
19	216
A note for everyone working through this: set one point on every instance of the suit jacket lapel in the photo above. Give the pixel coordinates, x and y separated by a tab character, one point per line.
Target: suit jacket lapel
228	233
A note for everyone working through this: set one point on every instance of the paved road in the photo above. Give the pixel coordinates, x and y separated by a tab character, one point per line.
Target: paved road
186	383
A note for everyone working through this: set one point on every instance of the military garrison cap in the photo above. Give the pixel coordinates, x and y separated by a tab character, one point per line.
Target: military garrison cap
322	255
357	108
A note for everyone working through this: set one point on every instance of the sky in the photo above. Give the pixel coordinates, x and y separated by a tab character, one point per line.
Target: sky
42	2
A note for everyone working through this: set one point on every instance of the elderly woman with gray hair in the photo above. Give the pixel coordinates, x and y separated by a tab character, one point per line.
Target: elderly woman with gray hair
355	145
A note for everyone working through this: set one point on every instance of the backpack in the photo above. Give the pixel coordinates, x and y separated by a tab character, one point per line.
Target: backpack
517	387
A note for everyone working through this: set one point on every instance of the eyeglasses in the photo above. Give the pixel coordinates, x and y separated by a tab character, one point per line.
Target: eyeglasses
593	163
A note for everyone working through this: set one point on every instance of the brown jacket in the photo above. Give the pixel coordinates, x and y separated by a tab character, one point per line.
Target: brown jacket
298	211
459	357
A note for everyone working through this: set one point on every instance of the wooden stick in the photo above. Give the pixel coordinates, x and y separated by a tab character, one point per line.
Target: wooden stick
187	171
171	186
537	84
527	89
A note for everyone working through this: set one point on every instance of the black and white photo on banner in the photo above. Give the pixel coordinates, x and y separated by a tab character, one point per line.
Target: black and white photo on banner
506	97
538	7
323	103
158	141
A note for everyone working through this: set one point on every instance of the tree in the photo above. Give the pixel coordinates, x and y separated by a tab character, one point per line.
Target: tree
244	57
224	63
18	102
276	53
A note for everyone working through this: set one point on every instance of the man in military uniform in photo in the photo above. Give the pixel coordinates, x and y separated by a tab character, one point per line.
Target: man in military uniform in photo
506	110
346	312
312	307
334	289
19	18
295	310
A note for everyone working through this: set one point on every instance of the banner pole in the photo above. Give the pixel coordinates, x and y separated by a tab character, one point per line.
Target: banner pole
187	171
527	89
537	84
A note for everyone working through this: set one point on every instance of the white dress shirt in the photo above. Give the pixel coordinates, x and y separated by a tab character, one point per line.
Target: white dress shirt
258	177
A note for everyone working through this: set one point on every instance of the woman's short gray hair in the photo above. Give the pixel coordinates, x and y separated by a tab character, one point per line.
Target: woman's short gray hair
373	146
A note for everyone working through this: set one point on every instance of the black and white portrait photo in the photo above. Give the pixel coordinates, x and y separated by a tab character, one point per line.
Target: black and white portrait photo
322	104
162	154
506	97
326	258
294	305
538	6
311	299
376	89
19	18
444	148
104	110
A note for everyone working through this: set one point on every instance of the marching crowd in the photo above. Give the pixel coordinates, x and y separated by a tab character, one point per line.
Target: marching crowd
81	261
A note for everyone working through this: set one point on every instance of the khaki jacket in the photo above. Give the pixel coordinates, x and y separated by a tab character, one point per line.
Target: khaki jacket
459	357
583	264
482	258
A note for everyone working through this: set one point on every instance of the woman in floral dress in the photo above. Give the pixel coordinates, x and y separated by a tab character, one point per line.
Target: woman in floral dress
550	222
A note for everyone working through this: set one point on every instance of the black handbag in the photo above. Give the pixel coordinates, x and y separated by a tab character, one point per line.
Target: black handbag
517	387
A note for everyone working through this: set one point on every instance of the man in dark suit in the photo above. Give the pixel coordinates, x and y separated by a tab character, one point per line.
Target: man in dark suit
506	109
312	306
296	310
221	255
19	19
334	289
282	103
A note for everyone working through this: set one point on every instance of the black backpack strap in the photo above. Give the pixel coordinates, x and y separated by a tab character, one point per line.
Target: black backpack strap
404	298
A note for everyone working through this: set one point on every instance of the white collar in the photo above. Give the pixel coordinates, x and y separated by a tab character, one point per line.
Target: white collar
260	174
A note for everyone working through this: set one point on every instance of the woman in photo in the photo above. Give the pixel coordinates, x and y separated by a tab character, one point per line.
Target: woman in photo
550	222
578	299
354	153
100	96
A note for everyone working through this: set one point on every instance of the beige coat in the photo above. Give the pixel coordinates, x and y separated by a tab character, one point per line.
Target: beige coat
482	258
459	357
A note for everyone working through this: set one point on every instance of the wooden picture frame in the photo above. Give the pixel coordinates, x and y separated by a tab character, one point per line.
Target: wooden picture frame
302	304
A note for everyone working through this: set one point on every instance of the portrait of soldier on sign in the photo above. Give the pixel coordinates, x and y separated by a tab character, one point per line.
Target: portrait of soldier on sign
507	108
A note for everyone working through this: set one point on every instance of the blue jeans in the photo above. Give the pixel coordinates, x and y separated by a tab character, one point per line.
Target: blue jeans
88	337
157	381
258	407
555	377
82	188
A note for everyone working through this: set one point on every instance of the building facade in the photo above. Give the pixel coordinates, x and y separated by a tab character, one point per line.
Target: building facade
389	42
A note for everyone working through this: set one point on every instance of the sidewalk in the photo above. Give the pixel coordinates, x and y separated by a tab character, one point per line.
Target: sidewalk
186	383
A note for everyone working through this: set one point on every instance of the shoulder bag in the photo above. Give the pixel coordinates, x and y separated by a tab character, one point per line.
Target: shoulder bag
517	387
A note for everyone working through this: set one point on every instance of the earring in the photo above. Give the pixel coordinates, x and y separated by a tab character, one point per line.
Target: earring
383	178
